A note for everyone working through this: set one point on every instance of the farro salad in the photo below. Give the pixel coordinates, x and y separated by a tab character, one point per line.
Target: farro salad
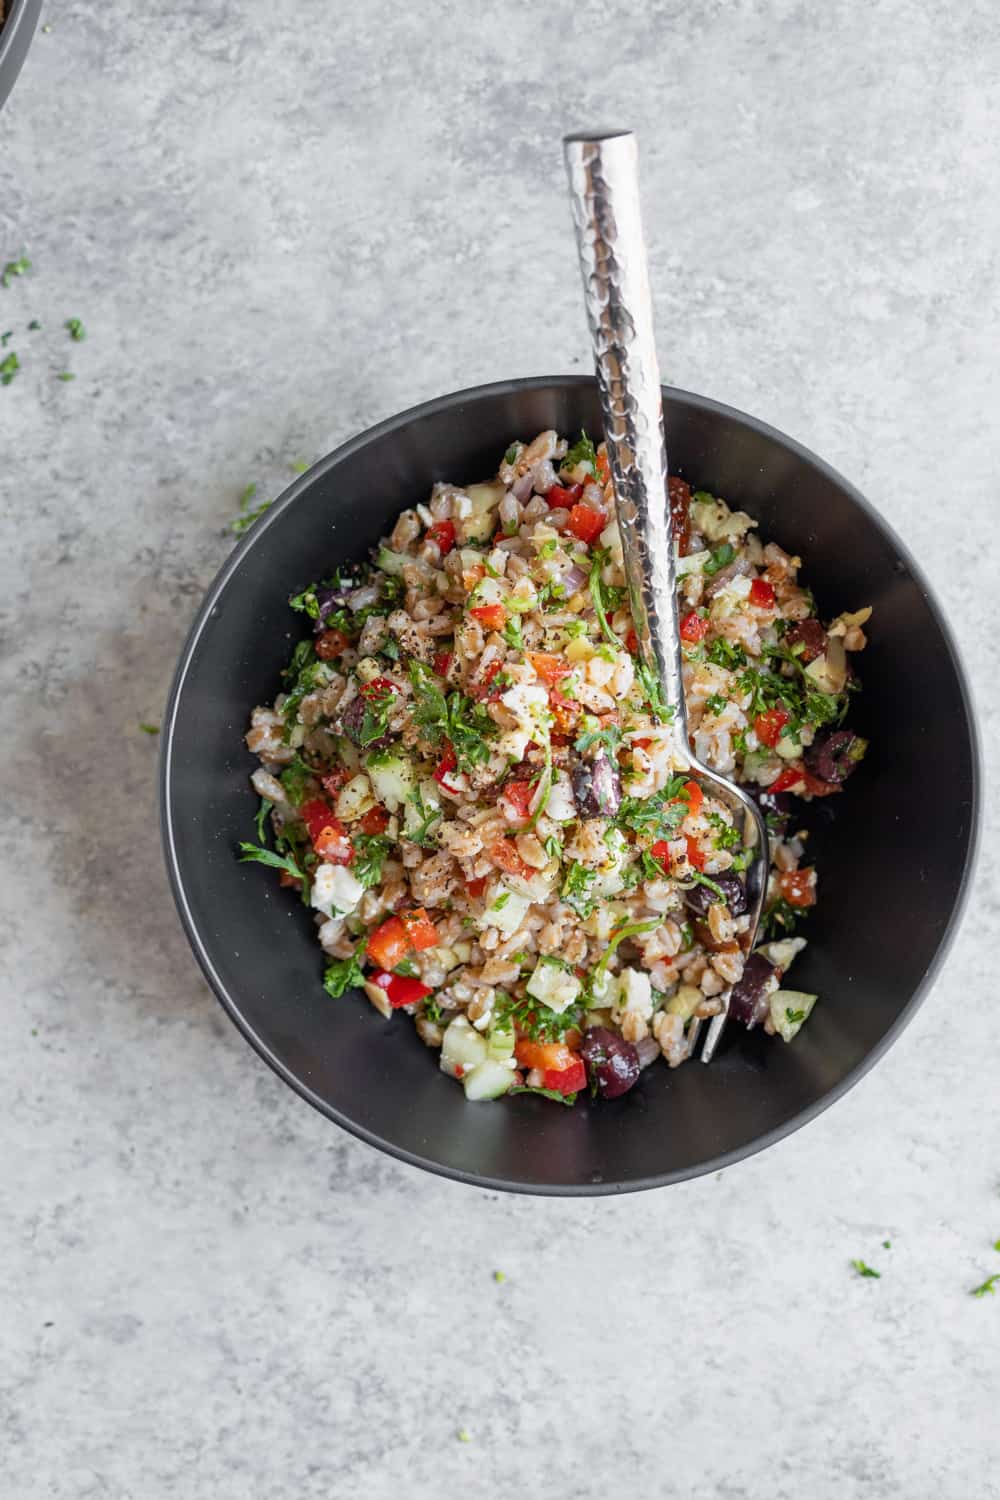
471	779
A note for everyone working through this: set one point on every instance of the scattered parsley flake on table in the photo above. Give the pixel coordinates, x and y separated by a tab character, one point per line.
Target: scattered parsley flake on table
76	330
247	517
9	368
150	728
499	1276
14	268
989	1286
464	1435
864	1270
65	375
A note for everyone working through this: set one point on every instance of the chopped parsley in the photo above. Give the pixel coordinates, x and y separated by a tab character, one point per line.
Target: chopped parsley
75	329
512	633
793	1017
431	1009
780	919
303	656
715	703
592	734
723	653
511	456
582	452
65	375
988	1287
452	717
575	889
343	974
657	817
523	1088
423	834
150	728
864	1270
653	690
533	1019
553	847
629	930
296	779
500	902
9	368
370	851
379	705
262	812
14	268
726	837
602	597
720	558
247	517
251	853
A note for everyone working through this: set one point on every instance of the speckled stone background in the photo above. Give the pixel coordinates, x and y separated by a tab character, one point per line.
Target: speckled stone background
279	223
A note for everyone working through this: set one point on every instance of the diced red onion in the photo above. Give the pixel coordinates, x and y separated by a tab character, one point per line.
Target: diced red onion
521	488
574	578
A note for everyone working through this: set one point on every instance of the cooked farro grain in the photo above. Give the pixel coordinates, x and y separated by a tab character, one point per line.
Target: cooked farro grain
467	779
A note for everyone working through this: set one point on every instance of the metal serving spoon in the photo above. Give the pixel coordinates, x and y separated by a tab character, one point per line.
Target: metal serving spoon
604	190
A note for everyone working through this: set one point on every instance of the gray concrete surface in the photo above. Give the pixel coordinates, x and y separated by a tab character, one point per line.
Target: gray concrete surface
280	222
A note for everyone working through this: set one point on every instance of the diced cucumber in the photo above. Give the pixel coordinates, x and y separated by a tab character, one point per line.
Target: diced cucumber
553	985
685	1001
487	1081
462	1047
476	528
505	908
355	798
421	807
485	497
391	562
392	777
790	1009
500	1044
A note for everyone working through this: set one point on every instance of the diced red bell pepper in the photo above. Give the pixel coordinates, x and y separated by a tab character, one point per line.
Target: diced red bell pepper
442	532
330	644
586	524
400	990
493	616
504	854
375	821
768	726
566	1080
798	887
603	468
693	627
519	794
475	888
317	815
442	662
551	669
762	594
642	744
333	844
420	930
632	642
378	687
791	776
388	945
445	766
694	854
693	796
565	711
562	497
549	1056
661	851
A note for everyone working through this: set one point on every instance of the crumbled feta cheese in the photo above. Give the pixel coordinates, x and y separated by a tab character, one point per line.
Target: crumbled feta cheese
335	891
553	985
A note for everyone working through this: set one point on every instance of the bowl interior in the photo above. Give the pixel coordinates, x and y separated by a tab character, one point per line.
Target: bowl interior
16	32
892	854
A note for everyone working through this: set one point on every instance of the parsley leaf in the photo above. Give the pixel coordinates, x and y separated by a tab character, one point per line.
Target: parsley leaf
76	330
252	854
14	268
656	817
9	368
575	889
262	812
370	851
592	734
150	728
780	919
723	653
296	779
423	834
719	559
582	452
343	974
533	1019
864	1270
523	1088
510	457
379	705
988	1287
452	717
247	517
600	593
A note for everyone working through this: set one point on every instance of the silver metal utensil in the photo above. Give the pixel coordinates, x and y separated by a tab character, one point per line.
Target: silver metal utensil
604	191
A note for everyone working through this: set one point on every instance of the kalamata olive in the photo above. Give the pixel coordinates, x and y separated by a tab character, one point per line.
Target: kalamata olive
679	494
597	787
752	993
352	723
776	807
612	1062
329	600
700	898
834	755
810	635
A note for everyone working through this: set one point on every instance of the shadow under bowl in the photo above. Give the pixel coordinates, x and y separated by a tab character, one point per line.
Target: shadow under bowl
893	855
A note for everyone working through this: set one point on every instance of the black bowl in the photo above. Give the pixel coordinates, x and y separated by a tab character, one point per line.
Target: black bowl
15	39
894	851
